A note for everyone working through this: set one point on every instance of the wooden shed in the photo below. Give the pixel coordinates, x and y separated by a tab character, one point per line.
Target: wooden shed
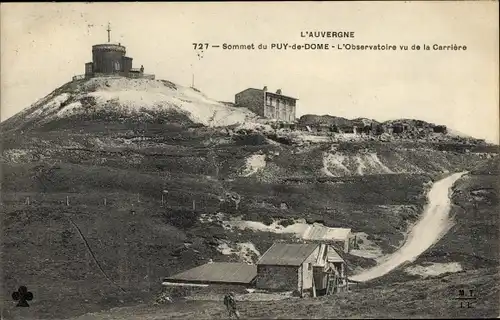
313	268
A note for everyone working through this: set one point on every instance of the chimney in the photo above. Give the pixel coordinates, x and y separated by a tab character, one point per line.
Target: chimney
278	91
265	88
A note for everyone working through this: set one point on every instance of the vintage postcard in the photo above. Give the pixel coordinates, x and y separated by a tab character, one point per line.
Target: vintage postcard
250	160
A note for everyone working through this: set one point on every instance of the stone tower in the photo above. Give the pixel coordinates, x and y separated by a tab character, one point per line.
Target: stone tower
108	58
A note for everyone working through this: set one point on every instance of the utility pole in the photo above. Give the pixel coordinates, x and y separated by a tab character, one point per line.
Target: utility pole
109	32
163	197
192	81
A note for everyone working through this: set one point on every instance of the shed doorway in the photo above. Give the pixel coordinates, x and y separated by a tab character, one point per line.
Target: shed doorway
320	278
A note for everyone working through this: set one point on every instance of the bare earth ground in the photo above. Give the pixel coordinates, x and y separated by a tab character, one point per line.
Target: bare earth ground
416	299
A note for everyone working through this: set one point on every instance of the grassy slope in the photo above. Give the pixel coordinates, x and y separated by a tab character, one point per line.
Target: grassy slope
138	242
473	241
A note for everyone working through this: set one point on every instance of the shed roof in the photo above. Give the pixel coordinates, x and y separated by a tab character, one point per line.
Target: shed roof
223	272
333	256
287	254
320	232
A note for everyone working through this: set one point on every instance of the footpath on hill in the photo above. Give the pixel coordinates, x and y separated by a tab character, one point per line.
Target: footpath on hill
432	225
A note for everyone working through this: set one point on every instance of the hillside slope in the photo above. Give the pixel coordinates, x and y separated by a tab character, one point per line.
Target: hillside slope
110	185
473	241
123	99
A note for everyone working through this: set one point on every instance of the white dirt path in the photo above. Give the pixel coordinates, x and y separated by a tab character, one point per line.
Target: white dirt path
433	224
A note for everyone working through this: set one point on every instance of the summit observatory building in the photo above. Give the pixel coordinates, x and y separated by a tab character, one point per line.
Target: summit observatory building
109	59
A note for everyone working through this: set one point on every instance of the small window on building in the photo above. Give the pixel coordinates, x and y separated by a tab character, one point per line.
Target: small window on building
268	102
309	266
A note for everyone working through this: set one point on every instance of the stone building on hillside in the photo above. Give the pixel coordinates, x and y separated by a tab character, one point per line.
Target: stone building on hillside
313	268
109	59
440	129
264	103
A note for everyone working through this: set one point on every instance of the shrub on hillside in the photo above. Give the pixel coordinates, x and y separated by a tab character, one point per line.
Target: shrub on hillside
250	139
267	220
182	219
312	220
88	102
283	140
228	206
196	125
379	130
169	84
287	222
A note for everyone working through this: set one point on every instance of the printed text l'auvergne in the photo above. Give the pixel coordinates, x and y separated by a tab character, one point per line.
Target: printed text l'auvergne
327	34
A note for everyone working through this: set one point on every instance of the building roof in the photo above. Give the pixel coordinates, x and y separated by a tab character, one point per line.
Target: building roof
320	232
287	254
273	93
109	46
280	95
333	256
223	272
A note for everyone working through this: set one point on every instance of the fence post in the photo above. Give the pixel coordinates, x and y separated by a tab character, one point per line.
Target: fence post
104	201
67	200
194	205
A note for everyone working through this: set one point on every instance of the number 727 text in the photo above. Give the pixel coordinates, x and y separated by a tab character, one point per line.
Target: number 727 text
200	46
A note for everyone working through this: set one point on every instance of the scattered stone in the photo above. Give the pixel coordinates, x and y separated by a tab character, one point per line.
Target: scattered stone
163	298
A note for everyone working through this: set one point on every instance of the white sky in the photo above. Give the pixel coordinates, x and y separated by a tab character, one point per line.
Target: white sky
44	45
